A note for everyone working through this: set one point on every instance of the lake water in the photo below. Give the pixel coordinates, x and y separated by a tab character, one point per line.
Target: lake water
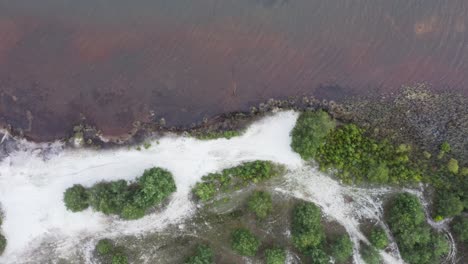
117	61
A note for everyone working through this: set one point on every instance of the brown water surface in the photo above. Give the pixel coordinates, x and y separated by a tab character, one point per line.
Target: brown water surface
118	61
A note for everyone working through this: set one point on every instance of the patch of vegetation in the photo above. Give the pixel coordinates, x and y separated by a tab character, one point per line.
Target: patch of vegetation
239	176
370	255
307	231
3	240
244	242
342	249
359	158
76	198
447	204
310	131
104	246
275	256
129	201
108	253
378	238
203	255
460	226
415	239
119	258
228	134
318	256
260	204
3	243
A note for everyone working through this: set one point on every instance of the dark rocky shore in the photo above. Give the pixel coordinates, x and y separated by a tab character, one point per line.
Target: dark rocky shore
415	114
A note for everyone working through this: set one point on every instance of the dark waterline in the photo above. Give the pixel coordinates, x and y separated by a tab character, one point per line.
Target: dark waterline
116	62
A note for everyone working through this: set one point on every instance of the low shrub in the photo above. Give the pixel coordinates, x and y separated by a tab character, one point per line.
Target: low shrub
447	204
416	241
260	204
119	258
203	255
3	243
317	256
275	256
104	247
310	131
244	242
460	227
378	238
239	176
129	201
307	231
76	198
370	255
342	249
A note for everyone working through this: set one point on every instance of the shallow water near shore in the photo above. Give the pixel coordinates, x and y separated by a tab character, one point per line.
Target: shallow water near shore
38	226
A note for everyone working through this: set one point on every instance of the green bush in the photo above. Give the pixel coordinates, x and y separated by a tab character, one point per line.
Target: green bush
129	201
378	238
370	255
464	171
119	258
205	190
156	185
109	197
244	242
104	247
307	230
342	249
203	255
448	204
417	243
228	134
460	226
76	198
310	132
132	212
452	166
239	176
275	256
317	255
378	173
357	157
260	204
3	243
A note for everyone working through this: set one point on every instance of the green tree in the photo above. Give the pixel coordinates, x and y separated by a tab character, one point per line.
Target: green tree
260	204
317	255
370	255
448	204
417	243
156	185
342	249
203	255
275	256
307	231
379	173
310	132
460	226
104	247
378	238
205	190
244	242
3	243
76	198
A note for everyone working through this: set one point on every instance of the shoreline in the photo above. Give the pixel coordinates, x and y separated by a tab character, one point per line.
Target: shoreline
415	115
